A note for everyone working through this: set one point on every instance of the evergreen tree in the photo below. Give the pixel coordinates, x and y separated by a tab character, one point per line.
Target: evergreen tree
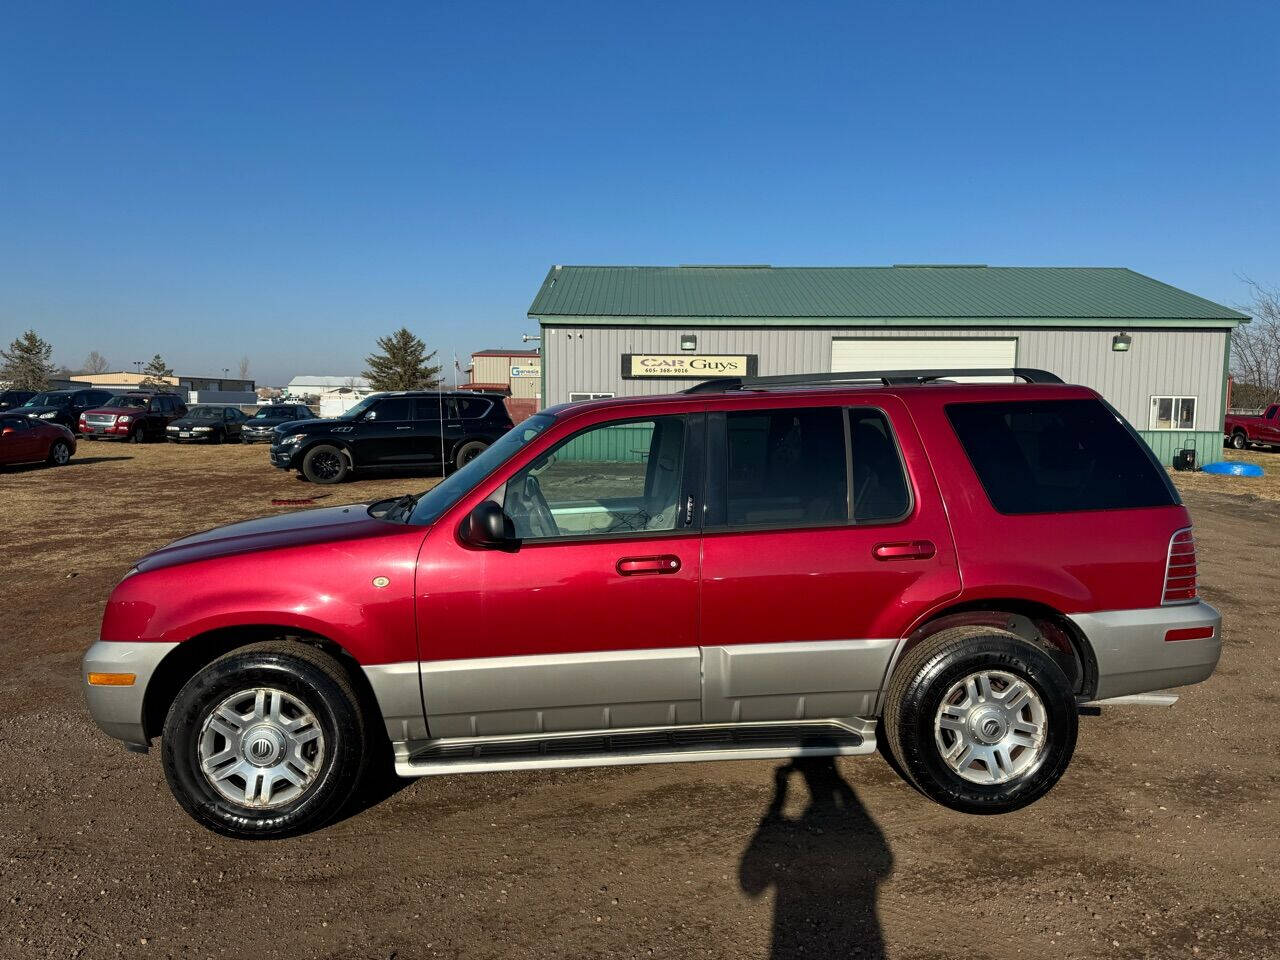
403	364
155	373
26	364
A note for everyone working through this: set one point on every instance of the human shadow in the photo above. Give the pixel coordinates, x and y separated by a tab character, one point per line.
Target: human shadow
825	867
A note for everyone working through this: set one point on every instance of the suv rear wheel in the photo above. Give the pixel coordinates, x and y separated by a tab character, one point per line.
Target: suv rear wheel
267	741
325	464
468	452
980	720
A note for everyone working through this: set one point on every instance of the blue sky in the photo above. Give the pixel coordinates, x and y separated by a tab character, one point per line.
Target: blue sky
290	180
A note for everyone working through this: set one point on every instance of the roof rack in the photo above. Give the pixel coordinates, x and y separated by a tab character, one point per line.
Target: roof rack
888	378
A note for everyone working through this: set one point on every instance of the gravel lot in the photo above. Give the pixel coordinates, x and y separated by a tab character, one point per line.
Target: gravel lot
1162	841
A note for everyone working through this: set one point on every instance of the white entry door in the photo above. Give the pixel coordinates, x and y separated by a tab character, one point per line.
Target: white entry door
910	353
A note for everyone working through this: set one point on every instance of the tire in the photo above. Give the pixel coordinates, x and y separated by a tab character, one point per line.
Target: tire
59	453
468	452
246	685
135	435
325	464
921	737
1239	441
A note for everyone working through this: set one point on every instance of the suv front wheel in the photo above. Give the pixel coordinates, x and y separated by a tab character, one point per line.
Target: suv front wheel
980	720
267	741
325	464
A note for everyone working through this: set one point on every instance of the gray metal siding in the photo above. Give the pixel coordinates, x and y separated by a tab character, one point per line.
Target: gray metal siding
1159	362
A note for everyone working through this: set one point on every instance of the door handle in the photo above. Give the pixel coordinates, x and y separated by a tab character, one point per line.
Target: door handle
404	428
635	566
904	550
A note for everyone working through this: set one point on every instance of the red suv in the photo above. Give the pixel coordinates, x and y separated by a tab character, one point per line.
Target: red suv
136	417
773	567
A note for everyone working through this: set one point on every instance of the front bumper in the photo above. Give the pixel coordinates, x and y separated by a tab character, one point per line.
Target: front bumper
247	437
118	710
283	457
1134	656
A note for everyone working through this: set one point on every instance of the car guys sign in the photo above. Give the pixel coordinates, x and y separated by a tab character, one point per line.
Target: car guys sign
686	366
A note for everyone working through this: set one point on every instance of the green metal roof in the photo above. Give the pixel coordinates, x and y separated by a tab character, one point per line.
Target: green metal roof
907	295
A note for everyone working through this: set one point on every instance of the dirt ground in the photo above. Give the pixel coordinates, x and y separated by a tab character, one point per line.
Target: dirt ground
1163	839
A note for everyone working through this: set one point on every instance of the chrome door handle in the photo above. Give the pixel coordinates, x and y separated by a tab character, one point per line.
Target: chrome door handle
404	428
634	566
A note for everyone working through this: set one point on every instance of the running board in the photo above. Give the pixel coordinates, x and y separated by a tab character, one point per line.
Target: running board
1137	700
606	748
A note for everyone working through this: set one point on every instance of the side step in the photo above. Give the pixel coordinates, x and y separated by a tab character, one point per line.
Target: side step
604	748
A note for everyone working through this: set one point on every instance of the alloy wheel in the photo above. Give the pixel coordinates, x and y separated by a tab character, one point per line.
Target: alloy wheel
991	727
261	748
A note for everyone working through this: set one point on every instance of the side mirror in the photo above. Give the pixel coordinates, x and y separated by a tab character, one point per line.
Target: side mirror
489	527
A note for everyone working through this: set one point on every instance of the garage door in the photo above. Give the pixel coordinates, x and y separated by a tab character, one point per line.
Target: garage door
905	353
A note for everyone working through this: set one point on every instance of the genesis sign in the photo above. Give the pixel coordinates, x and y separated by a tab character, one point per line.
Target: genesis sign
685	366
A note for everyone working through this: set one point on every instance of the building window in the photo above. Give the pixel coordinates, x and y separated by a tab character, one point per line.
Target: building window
579	397
1172	413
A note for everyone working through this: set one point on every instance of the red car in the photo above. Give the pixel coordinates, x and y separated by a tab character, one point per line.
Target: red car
768	567
24	439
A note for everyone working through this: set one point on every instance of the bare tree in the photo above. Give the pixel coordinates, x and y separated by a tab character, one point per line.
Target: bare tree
244	367
96	363
1255	350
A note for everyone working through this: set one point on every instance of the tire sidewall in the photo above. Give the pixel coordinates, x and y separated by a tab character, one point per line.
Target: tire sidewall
53	453
335	716
924	698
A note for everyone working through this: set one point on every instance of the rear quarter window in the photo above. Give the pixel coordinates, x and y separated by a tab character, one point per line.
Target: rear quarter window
1053	456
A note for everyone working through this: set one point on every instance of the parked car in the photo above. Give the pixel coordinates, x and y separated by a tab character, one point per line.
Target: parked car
64	406
24	440
415	430
260	427
136	416
207	424
1242	431
746	570
14	398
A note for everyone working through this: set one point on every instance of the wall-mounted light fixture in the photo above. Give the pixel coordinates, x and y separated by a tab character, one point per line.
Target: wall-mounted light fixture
688	341
1120	342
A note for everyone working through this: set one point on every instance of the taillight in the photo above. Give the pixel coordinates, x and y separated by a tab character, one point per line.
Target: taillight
1180	570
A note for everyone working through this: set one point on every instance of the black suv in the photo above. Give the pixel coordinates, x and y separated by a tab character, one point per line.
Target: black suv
261	426
14	398
418	430
63	406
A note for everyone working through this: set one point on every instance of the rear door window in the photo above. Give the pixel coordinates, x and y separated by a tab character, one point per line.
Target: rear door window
783	468
1052	456
880	491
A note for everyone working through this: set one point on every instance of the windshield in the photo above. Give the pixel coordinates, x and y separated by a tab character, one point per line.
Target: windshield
204	413
360	407
272	413
49	400
125	401
454	487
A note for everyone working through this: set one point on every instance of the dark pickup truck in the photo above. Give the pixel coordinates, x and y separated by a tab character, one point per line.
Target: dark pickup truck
1242	431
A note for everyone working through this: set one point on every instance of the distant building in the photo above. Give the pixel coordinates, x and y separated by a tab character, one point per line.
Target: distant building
129	380
515	373
312	386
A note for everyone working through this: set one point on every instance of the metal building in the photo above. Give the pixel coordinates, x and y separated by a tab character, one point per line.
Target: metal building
1157	353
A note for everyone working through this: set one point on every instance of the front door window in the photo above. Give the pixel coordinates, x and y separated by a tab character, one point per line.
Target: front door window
618	478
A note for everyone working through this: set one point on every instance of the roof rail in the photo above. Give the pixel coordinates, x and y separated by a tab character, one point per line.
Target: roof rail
887	378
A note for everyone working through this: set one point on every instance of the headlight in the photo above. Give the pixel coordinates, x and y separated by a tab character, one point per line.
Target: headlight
290	441
45	416
202	429
122	419
174	429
